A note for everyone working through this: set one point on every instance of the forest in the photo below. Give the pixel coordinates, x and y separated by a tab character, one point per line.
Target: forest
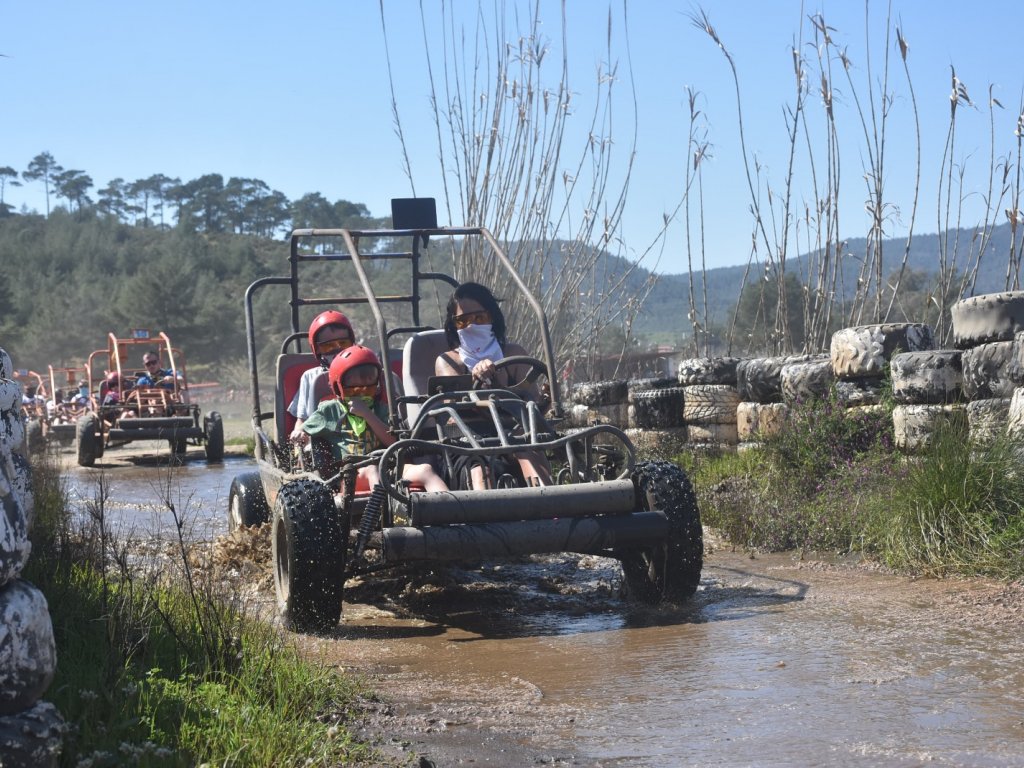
174	256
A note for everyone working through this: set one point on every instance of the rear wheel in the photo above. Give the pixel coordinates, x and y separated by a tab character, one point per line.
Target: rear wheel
247	505
308	544
90	444
35	441
213	428
669	571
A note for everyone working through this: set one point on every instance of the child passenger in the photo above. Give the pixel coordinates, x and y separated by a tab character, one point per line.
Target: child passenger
353	422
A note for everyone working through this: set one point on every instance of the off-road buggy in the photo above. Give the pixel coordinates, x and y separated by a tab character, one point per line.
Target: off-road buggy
123	410
327	527
68	407
33	408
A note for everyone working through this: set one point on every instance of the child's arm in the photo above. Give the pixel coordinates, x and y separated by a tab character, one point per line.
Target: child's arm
359	408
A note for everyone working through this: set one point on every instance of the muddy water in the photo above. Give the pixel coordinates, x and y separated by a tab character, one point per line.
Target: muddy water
143	485
776	661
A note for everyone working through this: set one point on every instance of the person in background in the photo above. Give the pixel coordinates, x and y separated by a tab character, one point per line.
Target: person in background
155	376
81	397
329	333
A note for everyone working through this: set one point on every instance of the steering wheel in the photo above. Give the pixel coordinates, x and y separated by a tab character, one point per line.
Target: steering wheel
537	369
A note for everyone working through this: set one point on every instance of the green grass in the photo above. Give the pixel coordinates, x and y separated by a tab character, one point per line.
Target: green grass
157	668
959	509
832	481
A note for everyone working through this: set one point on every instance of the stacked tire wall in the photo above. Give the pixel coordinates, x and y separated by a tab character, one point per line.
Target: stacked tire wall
710	400
986	328
30	729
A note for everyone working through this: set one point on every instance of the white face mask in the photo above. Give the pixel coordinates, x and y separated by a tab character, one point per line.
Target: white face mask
476	338
476	343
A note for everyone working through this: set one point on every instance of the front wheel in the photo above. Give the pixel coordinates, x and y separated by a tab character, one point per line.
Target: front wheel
213	429
247	504
308	544
669	571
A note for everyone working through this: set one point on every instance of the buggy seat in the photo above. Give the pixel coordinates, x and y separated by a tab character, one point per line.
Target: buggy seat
290	367
418	358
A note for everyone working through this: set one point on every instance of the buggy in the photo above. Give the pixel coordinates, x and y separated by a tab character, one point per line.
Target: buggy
123	410
68	407
327	526
34	409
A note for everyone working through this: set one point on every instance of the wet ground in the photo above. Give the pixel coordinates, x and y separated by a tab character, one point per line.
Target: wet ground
777	661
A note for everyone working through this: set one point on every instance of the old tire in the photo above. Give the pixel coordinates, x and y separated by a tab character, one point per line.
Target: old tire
708	370
758	421
90	444
35	441
308	545
914	426
927	378
987	370
865	350
806	382
26	646
595	393
988	420
991	317
710	404
213	429
669	571
854	393
759	379
656	408
247	504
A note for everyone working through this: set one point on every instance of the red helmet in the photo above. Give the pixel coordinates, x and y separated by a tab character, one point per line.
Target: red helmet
345	361
330	317
113	378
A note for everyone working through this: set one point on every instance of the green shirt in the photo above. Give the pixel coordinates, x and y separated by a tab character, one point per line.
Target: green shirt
330	422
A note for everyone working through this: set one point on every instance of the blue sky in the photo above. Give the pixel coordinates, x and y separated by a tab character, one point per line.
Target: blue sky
298	96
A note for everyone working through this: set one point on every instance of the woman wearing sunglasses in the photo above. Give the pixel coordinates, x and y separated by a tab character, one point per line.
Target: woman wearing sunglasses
329	333
474	328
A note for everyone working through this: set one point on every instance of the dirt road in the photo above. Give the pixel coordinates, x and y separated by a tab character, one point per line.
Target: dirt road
776	662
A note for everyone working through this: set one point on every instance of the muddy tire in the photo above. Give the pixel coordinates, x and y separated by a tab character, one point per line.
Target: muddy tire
26	646
986	370
308	544
806	382
669	571
759	380
656	408
757	421
90	444
33	737
710	404
865	350
854	393
213	429
927	378
247	504
1015	415
708	370
988	419
35	440
641	385
914	426
714	434
595	393
991	317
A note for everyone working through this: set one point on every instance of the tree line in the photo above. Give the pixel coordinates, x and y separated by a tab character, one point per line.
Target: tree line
205	204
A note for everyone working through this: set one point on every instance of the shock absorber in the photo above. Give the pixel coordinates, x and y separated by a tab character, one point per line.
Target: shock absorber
371	517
